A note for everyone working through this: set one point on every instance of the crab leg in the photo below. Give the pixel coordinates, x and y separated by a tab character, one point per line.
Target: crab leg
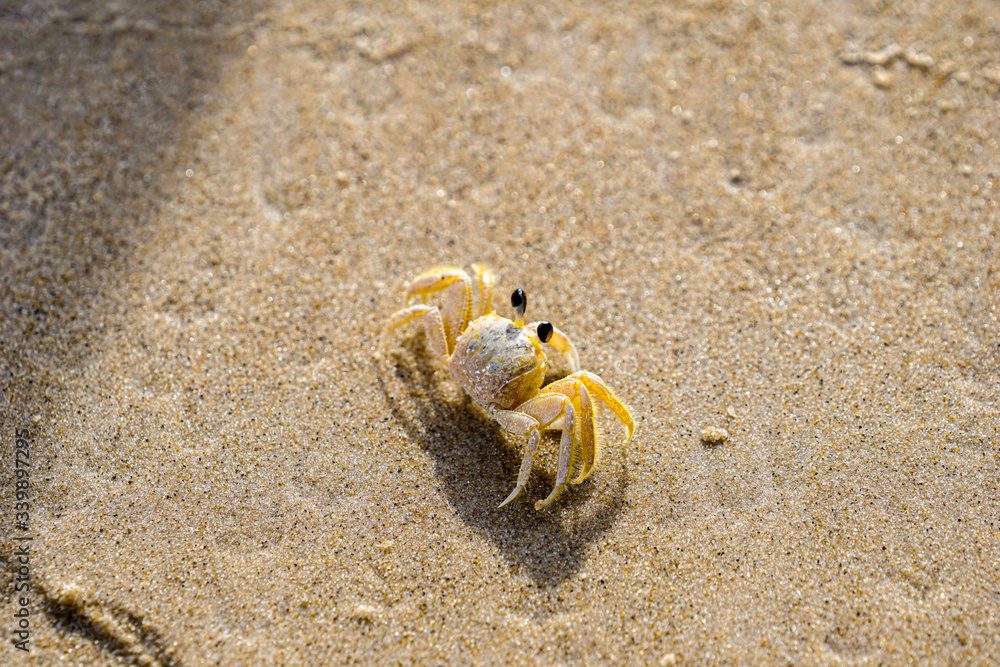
545	411
433	326
565	447
595	385
434	280
525	472
587	446
485	280
587	436
456	312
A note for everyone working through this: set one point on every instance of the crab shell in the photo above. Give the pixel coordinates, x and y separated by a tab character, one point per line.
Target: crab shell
498	362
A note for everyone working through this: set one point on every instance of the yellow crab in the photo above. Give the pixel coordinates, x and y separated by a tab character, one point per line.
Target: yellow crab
500	364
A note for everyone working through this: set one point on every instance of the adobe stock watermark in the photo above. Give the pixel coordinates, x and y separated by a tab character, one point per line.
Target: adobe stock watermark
21	540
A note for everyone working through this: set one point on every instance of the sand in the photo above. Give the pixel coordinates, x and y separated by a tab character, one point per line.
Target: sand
773	230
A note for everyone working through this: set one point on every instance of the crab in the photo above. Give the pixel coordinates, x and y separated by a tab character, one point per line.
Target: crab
501	365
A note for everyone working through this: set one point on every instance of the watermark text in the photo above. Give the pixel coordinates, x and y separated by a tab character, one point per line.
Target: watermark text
21	542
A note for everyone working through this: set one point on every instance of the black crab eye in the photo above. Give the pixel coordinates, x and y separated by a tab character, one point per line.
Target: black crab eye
544	332
519	301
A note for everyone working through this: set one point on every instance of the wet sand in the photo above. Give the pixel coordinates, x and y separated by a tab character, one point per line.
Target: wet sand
777	221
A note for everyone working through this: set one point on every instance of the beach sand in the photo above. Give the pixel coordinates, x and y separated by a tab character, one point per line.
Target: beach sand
778	221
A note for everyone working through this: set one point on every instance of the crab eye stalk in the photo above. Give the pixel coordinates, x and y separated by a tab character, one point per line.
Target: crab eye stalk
545	332
519	301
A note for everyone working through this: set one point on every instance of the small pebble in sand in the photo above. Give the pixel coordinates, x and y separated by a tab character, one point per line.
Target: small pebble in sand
714	435
882	78
921	60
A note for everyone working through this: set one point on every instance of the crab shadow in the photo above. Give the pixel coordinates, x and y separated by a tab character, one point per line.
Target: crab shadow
477	464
